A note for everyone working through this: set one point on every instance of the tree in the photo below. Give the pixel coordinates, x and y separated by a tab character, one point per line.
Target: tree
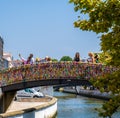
54	60
103	18
66	58
104	58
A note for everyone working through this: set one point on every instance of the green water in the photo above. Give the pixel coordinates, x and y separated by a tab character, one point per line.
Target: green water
74	106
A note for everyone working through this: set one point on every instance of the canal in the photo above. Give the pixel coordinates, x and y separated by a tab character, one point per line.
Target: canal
75	106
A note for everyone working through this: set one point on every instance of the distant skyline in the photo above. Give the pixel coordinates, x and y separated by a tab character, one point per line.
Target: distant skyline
44	28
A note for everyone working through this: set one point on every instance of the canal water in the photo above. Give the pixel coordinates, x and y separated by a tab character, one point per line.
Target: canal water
75	106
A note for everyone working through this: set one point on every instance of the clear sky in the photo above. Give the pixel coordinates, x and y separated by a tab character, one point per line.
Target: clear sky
44	28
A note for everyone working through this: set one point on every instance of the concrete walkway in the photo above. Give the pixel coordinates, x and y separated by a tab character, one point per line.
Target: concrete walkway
17	106
25	105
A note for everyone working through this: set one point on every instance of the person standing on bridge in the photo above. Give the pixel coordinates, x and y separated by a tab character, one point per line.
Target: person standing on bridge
30	59
91	58
77	57
96	58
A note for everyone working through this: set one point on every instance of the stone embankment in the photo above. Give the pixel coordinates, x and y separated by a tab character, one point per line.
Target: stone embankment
32	108
89	93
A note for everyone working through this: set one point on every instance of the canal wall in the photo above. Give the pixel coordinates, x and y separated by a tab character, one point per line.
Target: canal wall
46	90
88	93
32	108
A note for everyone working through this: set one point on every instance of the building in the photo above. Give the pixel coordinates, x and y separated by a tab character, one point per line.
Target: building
5	58
8	59
1	53
5	63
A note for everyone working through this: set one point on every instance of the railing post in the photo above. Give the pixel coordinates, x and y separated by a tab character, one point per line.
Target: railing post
5	100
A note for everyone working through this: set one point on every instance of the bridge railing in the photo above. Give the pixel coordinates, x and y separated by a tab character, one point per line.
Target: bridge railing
53	70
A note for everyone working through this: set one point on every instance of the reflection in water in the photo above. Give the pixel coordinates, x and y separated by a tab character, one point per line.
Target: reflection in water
74	106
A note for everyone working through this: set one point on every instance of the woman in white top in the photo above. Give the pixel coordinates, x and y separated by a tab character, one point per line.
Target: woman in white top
91	58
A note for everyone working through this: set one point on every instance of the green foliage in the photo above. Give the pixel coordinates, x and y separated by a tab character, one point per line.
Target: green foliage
104	58
54	60
66	58
104	18
110	107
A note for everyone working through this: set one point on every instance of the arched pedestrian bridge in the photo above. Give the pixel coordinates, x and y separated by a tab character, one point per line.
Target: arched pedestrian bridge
47	74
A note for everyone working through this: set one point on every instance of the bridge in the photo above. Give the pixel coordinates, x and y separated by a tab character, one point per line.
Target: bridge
47	74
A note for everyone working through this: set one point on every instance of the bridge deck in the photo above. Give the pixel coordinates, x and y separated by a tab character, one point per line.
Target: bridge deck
45	74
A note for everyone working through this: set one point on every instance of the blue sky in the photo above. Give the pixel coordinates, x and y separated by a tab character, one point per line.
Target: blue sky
44	28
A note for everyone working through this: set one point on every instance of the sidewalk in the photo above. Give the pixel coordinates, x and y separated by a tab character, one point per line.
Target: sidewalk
26	103
29	105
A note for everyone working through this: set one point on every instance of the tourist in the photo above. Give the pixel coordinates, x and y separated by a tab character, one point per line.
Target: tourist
91	58
46	59
37	60
77	57
30	59
96	58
